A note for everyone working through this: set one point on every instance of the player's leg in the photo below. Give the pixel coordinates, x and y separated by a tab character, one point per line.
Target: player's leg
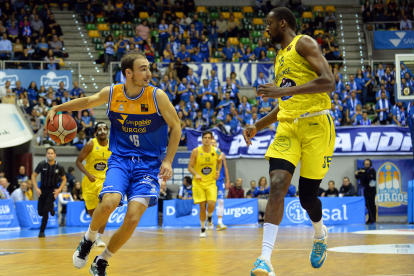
199	197
136	209
317	148
203	209
45	206
220	205
283	155
211	194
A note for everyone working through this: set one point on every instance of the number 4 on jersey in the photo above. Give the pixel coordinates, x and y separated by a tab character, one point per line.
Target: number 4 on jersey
134	139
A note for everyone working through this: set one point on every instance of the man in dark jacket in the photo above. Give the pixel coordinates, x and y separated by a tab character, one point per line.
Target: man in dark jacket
368	179
165	194
332	191
237	190
347	188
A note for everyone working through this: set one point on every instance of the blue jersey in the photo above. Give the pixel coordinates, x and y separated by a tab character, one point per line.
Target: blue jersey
137	127
222	174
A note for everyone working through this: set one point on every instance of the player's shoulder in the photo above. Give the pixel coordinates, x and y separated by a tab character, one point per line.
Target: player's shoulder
305	44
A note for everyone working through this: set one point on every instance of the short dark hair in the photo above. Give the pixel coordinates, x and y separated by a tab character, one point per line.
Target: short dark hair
207	132
188	180
71	169
51	148
97	124
331	181
282	13
127	61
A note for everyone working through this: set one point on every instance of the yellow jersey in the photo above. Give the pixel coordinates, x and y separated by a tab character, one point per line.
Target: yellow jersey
206	165
291	69
97	159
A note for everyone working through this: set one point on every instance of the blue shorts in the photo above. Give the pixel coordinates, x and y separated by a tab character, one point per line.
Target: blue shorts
133	177
221	189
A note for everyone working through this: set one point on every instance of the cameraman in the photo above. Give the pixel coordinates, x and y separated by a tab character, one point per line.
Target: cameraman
367	176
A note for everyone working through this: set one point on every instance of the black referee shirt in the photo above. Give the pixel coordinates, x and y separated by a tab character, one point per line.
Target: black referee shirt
50	175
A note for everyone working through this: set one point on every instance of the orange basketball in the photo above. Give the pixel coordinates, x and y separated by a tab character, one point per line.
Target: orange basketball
63	130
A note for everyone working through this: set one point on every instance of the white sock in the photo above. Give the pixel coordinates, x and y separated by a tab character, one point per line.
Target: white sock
91	235
220	220
319	231
106	255
220	207
269	238
99	235
203	224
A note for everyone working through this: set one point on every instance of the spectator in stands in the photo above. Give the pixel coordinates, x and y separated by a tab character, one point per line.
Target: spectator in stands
388	80
258	82
205	47
264	107
171	69
44	140
29	192
20	194
56	45
332	191
185	22
64	197
20	178
208	112
65	97
224	106
367	177
76	91
167	55
383	109
3	187
17	49
335	114
143	30
383	18
262	57
183	55
189	6
60	91
406	89
222	27
182	70
357	115
328	50
338	103
19	89
185	91
231	87
378	94
244	108
214	82
175	38
192	107
109	47
232	27
330	21
42	48
319	21
165	194
9	98
213	34
186	191
259	48
200	123
398	114
193	35
188	45
351	107
5	48
250	192
405	23
13	31
347	189
192	80
197	56
368	16
121	44
168	88
52	25
163	36
77	192
87	123
237	190
149	50
70	178
32	93
198	24
35	120
88	15
18	5
365	120
308	30
206	94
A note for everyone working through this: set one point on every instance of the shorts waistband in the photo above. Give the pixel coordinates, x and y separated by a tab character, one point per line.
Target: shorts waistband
307	114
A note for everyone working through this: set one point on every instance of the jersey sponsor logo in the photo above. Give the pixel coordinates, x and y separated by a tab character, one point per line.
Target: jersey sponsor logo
287	83
281	74
121	107
144	107
326	161
282	144
118	101
101	166
313	124
206	170
288	49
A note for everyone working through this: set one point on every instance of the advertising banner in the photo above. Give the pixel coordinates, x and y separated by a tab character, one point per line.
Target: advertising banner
393	176
30	219
41	77
358	140
394	39
236	212
77	215
13	131
8	218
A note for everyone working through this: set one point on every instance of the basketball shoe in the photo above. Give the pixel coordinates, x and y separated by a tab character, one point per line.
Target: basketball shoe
221	227
262	268
80	257
98	267
99	242
319	251
210	225
202	233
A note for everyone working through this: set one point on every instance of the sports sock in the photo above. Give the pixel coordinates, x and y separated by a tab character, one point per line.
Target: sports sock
220	220
209	219
220	207
269	238
319	231
203	224
106	255
203	230
91	235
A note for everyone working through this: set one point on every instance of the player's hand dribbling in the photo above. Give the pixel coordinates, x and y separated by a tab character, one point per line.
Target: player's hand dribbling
50	115
91	177
248	133
165	171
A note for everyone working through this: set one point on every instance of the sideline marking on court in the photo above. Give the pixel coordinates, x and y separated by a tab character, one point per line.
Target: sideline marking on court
403	232
401	249
156	250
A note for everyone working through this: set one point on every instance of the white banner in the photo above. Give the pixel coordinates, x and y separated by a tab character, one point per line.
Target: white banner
13	130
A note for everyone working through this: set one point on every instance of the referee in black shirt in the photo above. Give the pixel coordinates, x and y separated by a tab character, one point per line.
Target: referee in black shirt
51	173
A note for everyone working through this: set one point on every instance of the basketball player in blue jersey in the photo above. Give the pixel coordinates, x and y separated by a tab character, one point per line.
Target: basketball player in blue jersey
221	189
140	115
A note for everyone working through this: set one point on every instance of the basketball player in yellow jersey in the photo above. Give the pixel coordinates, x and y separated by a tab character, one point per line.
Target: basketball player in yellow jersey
96	152
305	132
205	165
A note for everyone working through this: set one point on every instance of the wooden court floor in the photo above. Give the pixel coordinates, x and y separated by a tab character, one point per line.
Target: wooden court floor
166	252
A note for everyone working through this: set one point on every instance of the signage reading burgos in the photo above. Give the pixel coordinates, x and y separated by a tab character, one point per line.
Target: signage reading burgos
140	126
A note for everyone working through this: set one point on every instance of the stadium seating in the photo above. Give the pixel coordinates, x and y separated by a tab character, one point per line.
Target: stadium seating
90	27
307	14
256	34
179	14
224	9
258	21
226	15
259	28
114	27
238	15
330	8
234	40
212	9
247	9
103	27
126	27
96	40
100	20
318	9
93	33
201	9
143	15
245	40
105	33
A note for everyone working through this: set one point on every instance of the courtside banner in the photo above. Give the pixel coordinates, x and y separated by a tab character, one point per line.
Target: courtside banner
41	77
393	176
77	215
394	39
8	218
246	73
236	212
366	140
30	219
335	211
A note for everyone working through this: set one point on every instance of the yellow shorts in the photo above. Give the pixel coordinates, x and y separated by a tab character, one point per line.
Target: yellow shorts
311	140
90	192
203	192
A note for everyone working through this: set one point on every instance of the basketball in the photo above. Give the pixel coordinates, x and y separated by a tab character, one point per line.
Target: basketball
63	130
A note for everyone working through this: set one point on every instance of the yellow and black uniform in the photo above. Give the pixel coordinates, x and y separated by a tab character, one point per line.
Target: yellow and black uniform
305	131
206	167
96	164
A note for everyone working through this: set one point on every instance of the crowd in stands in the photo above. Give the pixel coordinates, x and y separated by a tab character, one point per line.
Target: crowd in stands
30	33
392	15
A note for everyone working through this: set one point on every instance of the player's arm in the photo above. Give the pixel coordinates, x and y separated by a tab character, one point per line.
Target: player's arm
38	191
309	49
250	131
170	116
80	103
82	155
62	184
191	164
226	172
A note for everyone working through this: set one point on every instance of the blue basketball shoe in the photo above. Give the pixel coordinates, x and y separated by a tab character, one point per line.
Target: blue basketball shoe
262	268
319	251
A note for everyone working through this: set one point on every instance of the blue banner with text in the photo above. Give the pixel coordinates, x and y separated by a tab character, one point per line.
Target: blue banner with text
394	39
8	218
30	219
44	78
